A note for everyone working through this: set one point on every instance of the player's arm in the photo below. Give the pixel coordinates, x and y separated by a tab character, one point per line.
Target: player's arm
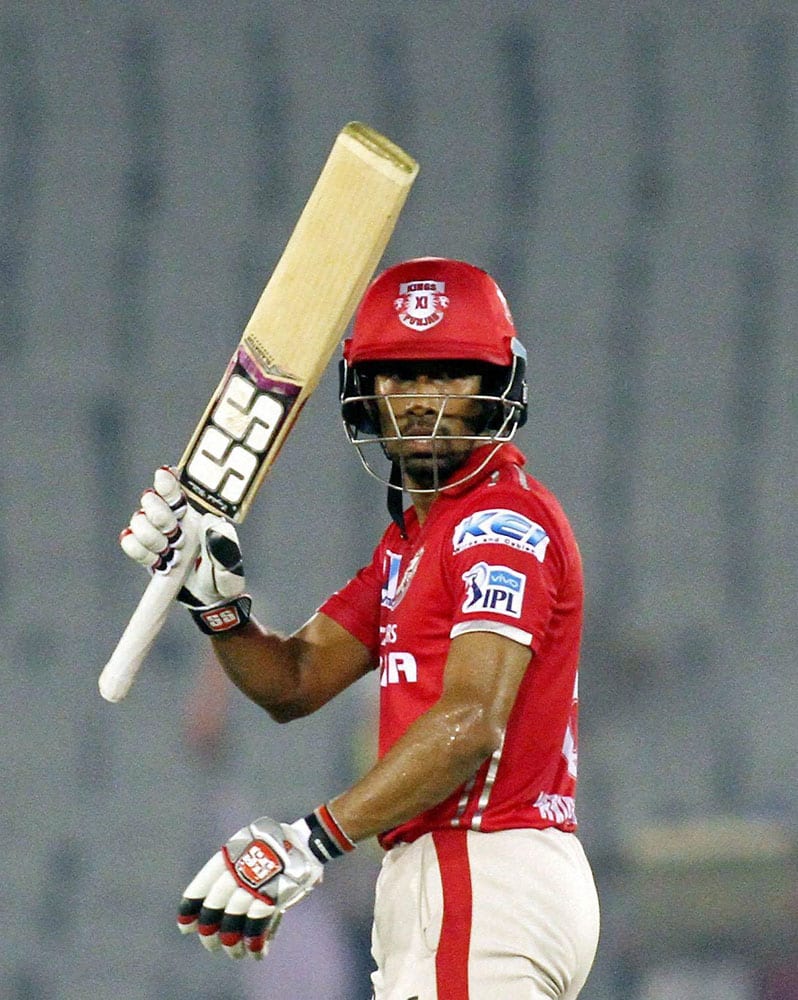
447	744
236	900
292	676
289	676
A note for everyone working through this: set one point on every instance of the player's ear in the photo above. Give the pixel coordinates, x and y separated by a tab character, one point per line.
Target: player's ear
360	414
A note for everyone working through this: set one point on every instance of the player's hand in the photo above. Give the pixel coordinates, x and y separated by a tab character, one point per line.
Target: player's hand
215	587
238	898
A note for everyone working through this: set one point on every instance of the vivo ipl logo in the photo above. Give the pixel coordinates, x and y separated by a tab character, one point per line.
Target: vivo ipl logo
505	527
494	588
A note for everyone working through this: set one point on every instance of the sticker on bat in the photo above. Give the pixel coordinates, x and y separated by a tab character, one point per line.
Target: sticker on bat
237	436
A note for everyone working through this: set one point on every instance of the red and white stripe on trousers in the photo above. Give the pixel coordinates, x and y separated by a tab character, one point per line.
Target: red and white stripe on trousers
451	959
451	847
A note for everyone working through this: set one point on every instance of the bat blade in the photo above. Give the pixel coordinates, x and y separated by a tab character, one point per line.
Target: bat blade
299	320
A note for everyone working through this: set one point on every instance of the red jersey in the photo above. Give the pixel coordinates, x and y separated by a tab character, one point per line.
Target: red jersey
495	554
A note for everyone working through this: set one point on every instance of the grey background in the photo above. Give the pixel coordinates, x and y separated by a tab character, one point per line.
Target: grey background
627	172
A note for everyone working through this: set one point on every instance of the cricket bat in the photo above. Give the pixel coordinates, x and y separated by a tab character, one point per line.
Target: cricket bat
297	324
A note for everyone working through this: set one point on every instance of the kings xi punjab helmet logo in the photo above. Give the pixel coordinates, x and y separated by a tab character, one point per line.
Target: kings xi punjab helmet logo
421	304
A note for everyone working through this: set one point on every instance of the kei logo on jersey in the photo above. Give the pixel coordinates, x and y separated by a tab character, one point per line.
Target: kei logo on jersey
500	526
494	588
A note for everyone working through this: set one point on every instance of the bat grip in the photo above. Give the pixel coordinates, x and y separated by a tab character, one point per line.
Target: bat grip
148	619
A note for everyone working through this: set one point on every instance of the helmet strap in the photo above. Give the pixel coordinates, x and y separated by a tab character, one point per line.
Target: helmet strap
395	500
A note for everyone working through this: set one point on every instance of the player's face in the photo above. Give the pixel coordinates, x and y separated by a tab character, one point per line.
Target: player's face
427	415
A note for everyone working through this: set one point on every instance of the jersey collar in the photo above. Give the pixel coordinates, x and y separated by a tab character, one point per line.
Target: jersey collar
504	455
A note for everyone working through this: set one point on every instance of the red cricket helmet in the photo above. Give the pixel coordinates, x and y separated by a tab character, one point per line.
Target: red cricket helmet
432	308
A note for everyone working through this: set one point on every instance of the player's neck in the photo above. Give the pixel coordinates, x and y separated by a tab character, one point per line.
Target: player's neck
422	503
423	498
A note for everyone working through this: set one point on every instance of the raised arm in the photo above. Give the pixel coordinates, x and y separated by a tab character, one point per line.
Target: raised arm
292	676
287	676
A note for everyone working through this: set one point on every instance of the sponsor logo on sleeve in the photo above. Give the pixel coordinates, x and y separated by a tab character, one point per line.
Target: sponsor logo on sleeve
502	526
494	588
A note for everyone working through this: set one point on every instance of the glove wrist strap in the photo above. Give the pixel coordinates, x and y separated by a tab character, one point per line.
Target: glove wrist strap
327	840
225	617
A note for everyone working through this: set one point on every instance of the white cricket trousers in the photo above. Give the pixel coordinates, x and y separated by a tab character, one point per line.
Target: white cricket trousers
461	915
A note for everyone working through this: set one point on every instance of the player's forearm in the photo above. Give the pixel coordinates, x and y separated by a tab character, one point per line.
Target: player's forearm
267	668
440	751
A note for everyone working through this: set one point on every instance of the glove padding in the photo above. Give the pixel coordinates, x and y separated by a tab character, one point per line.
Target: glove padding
238	898
155	539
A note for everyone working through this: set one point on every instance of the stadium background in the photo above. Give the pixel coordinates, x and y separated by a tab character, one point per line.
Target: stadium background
627	172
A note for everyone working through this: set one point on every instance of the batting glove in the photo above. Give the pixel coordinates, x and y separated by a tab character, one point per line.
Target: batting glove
237	900
214	590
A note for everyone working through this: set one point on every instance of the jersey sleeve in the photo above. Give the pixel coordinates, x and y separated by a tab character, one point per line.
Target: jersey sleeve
356	607
505	572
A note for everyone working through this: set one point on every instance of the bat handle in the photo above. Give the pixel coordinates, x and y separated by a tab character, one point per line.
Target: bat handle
147	620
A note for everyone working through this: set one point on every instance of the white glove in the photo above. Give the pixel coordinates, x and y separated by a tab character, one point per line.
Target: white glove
214	590
238	898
